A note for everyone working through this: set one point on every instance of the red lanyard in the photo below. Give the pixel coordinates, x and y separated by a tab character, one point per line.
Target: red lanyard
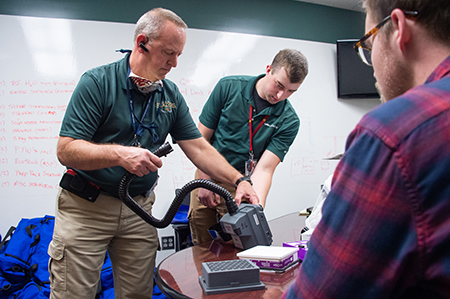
256	130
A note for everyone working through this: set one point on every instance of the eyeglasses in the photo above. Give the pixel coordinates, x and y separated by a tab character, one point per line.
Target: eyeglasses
364	50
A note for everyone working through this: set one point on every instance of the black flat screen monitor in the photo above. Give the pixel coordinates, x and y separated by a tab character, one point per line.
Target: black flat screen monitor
355	78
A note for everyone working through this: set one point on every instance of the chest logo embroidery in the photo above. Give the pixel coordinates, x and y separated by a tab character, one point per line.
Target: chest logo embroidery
167	107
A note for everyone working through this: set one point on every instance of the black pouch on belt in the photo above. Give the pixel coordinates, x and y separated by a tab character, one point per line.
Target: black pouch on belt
75	183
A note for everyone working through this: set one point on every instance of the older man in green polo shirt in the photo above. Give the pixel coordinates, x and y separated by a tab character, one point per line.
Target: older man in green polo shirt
249	120
116	116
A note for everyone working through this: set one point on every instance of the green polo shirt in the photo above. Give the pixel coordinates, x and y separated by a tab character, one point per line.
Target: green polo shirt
99	111
227	113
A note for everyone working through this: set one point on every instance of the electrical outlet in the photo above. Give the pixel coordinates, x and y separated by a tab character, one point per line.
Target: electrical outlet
168	243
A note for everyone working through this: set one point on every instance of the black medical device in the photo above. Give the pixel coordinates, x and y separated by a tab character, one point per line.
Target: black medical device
246	224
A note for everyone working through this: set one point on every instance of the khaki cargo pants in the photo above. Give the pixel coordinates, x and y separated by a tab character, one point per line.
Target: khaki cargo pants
201	218
84	231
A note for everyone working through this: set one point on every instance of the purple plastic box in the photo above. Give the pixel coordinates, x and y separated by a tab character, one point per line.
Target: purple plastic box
301	245
276	258
275	264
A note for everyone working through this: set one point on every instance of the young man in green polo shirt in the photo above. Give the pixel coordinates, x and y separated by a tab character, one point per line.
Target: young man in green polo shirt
252	124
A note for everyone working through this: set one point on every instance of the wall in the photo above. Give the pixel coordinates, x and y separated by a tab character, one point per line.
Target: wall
282	18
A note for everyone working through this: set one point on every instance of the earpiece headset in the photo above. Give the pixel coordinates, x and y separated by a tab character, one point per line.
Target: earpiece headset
143	47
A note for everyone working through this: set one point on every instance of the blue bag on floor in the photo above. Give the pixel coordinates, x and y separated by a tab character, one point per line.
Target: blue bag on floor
24	258
32	290
24	263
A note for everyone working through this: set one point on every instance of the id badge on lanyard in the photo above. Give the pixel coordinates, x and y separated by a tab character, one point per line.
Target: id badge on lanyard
152	127
250	164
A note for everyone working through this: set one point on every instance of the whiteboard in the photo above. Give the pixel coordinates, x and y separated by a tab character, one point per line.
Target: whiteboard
41	60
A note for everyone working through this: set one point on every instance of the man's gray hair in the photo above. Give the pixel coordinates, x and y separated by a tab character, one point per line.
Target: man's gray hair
151	22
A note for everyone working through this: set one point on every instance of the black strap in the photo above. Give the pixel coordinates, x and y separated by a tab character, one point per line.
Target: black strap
29	228
8	235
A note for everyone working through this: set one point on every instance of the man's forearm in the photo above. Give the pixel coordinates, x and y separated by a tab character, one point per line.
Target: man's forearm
262	182
202	175
217	167
84	155
208	160
263	173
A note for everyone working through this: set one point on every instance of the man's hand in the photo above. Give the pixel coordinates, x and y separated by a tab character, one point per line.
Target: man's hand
139	161
208	198
246	191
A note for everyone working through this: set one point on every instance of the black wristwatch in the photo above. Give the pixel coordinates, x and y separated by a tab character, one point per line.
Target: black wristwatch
244	178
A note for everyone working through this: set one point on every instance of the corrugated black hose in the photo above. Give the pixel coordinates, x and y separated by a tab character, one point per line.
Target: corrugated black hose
176	203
